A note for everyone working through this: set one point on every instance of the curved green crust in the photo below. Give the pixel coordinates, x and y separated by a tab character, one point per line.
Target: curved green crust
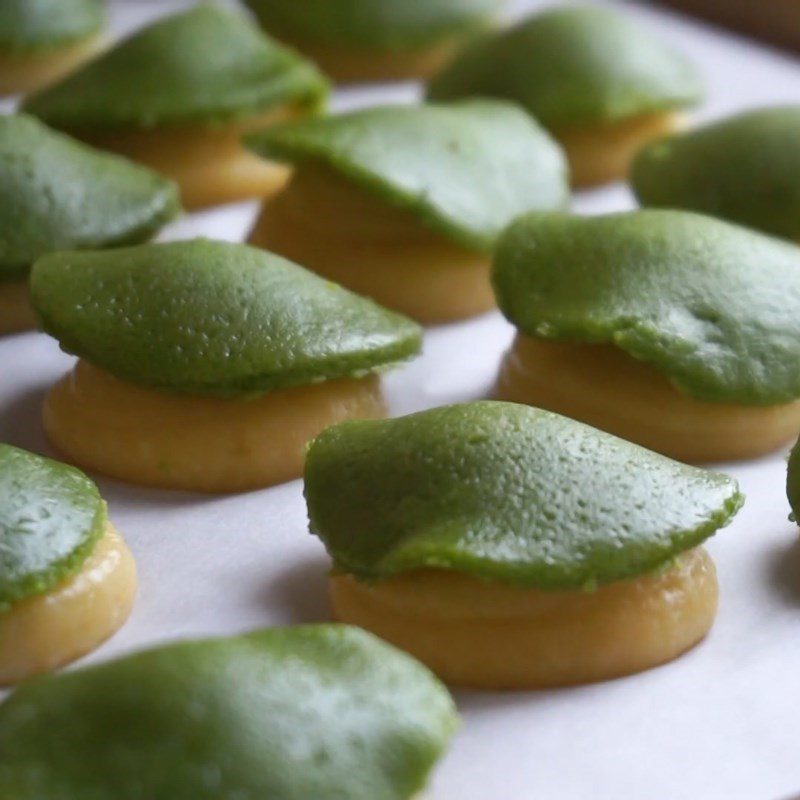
745	169
507	493
572	67
466	169
57	194
713	306
51	517
33	25
317	712
205	65
793	482
205	317
373	24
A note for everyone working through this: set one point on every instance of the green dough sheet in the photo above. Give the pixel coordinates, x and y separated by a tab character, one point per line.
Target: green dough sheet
40	25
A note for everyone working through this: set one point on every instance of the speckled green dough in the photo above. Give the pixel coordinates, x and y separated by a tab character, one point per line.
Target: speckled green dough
745	169
51	516
508	493
793	482
321	712
207	317
32	25
392	24
202	66
574	67
58	194
466	169
713	306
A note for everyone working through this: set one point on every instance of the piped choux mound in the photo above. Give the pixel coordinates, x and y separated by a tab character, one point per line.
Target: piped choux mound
57	193
744	168
207	366
313	712
377	40
204	78
511	548
43	40
68	581
672	329
598	82
403	204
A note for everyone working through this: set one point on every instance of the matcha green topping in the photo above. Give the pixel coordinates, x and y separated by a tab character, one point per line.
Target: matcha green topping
51	517
317	712
205	65
31	25
466	169
745	169
713	306
206	317
573	67
508	493
390	24
793	482
57	194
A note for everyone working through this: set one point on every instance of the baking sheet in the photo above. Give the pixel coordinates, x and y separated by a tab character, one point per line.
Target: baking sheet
718	723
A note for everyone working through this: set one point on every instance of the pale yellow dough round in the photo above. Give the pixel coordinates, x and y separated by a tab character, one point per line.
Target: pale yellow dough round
599	155
16	312
205	444
209	163
608	389
487	635
330	225
347	64
42	633
21	73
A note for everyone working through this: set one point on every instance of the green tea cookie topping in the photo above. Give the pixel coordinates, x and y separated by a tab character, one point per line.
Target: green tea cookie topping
745	169
508	493
57	194
207	317
793	482
51	516
466	169
32	25
317	712
391	24
574	67
713	306
202	66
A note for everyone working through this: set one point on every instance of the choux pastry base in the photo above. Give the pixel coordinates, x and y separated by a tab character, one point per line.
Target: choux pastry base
484	635
16	313
205	444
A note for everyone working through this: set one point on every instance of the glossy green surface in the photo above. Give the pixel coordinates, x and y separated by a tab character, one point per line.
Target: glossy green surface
573	67
56	194
51	516
713	306
466	169
203	65
27	25
207	317
393	24
745	169
506	492
323	712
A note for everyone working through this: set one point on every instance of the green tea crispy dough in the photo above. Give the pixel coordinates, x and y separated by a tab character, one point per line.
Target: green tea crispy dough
465	169
317	712
574	67
51	517
213	318
56	194
507	493
373	24
713	306
793	482
39	25
207	65
745	169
